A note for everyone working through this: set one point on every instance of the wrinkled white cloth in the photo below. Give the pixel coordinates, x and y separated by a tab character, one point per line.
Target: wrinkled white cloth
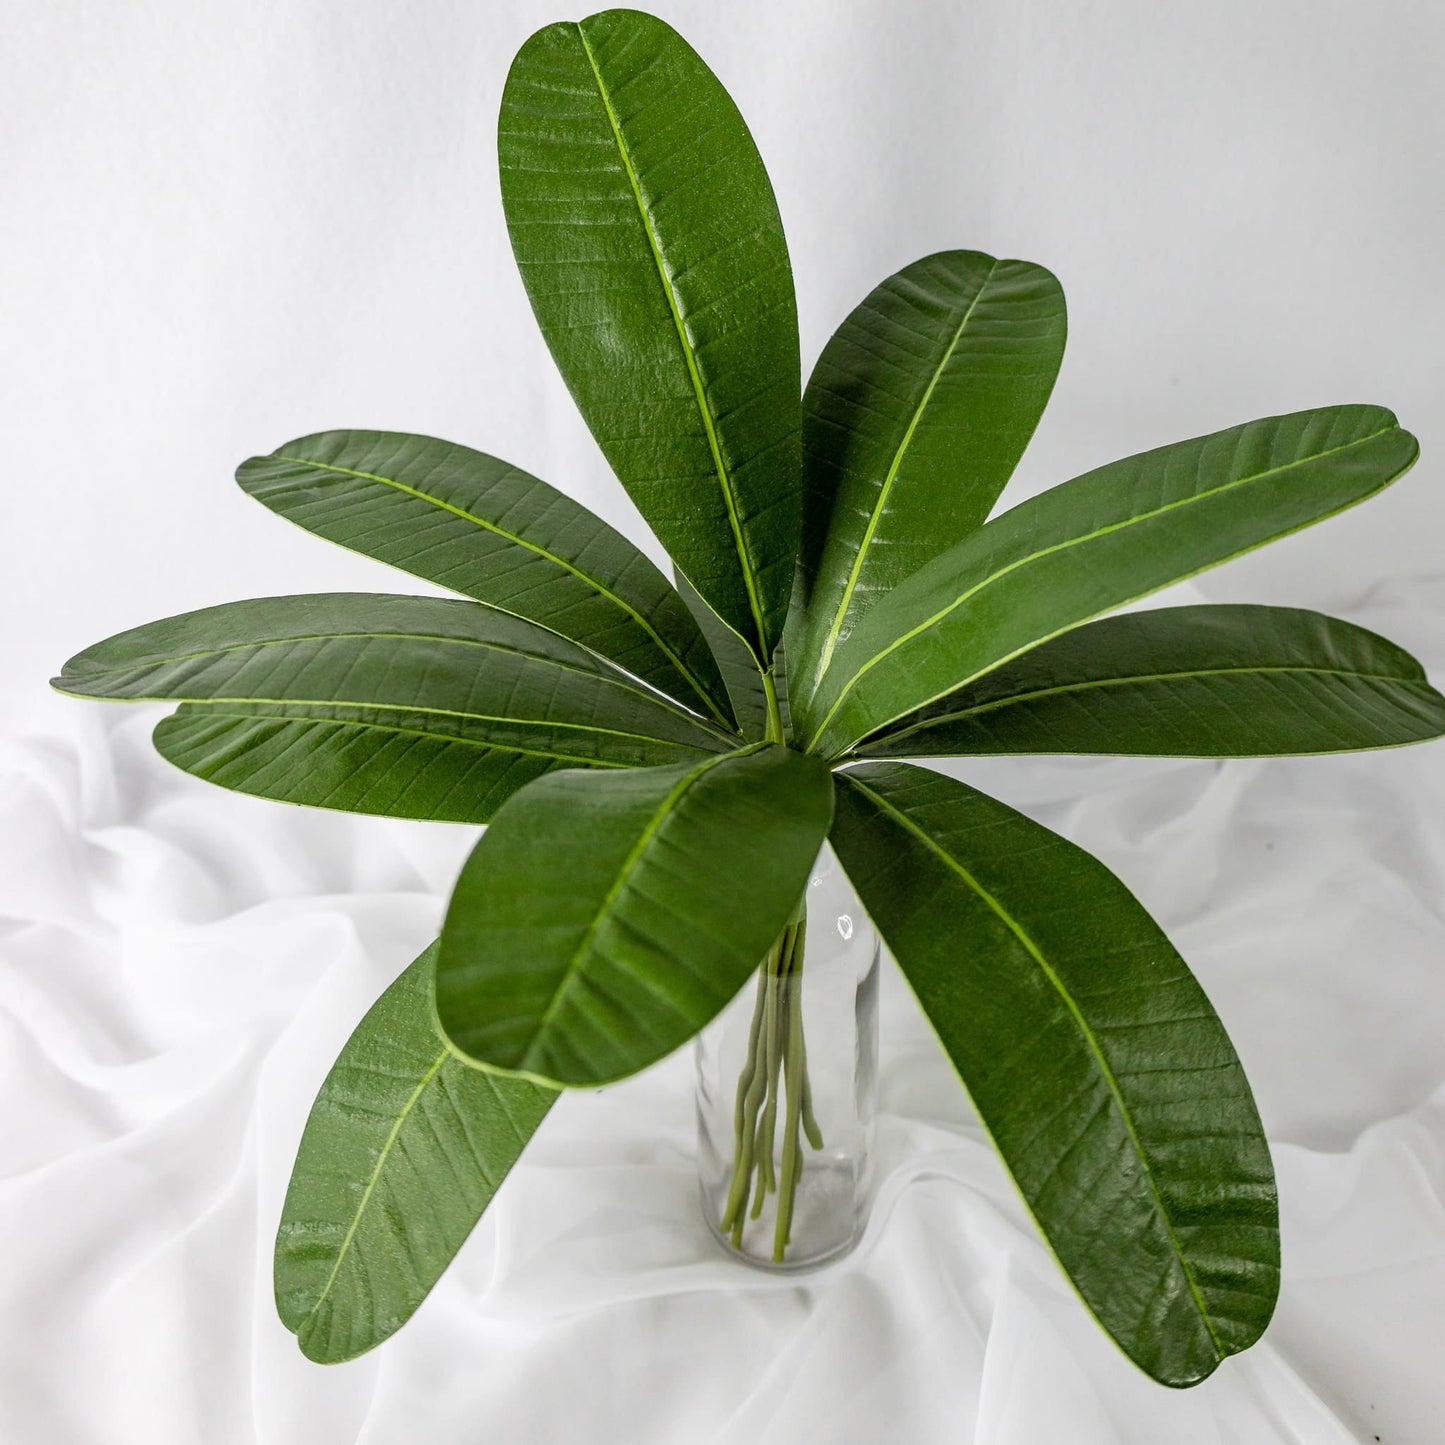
180	966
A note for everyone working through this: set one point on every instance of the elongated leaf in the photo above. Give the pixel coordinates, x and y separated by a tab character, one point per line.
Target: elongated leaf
417	706
914	418
604	918
404	1149
1093	544
493	532
1092	1056
747	696
649	242
355	760
1203	682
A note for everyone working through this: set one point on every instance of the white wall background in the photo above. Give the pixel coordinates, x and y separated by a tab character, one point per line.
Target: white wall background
225	225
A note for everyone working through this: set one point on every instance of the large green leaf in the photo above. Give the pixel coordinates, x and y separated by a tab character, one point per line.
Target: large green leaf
649	241
404	1149
1202	682
1092	1056
914	418
1093	544
416	706
604	918
491	531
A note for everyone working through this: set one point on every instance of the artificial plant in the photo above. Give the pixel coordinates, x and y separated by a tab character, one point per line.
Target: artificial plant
660	766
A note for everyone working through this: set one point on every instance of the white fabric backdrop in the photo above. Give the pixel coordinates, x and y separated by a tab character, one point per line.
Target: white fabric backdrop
225	226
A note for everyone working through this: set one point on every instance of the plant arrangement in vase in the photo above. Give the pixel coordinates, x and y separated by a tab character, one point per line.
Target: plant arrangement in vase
659	767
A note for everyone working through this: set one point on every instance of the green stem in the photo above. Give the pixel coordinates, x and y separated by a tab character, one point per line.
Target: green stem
774	1025
792	1160
745	1079
810	1121
750	1098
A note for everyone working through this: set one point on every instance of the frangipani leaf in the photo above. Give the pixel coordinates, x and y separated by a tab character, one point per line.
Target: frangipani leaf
1091	545
418	706
1092	1056
467	521
914	419
649	241
404	1149
1213	681
604	918
357	760
746	692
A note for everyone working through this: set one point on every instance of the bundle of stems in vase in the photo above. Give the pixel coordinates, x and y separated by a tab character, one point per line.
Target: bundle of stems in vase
776	1068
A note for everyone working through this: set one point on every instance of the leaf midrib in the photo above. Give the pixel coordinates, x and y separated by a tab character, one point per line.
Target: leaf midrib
362	1205
1069	542
315	720
595	583
1085	1031
725	481
1138	679
881	502
204	702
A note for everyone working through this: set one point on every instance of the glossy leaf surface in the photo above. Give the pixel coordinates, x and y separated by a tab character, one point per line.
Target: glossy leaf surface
1092	1056
604	919
1093	544
1213	681
649	241
405	1147
417	706
914	419
491	531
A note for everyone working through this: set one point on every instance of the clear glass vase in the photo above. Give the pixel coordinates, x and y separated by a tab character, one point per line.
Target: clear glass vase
787	1084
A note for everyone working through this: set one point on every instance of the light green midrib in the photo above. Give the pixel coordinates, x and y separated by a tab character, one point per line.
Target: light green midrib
371	1184
704	410
406	707
657	700
211	715
1138	679
573	967
595	583
1088	1035
876	516
1075	542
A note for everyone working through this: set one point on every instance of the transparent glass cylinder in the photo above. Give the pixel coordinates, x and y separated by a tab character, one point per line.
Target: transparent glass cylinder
787	1082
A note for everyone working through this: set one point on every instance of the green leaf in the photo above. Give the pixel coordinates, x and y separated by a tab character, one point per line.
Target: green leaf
1093	544
1092	1055
650	245
604	918
417	706
747	696
914	419
404	1149
352	760
1201	682
467	521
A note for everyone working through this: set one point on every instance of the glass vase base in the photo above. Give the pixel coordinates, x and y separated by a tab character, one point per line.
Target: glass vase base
827	1223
